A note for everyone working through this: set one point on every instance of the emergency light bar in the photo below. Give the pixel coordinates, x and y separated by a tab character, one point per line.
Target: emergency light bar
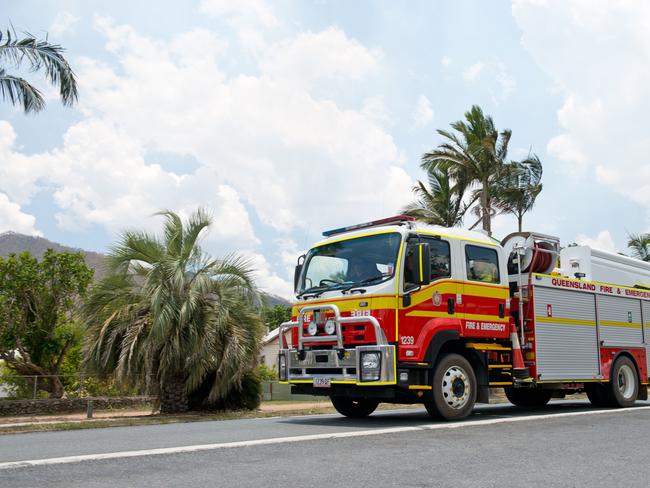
390	220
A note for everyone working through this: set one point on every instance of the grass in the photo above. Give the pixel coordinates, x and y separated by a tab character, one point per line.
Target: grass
276	408
156	419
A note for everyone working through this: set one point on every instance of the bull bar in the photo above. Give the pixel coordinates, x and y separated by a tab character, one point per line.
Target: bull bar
301	365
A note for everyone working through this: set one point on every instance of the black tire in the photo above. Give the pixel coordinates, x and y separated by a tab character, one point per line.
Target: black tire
597	395
623	387
528	397
454	389
354	408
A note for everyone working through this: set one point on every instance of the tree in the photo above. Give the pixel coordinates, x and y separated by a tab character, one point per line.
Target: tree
442	203
272	317
519	187
36	55
171	319
640	246
475	152
38	301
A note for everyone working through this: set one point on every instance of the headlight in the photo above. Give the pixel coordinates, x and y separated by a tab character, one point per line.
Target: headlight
312	328
370	360
370	366
330	327
282	367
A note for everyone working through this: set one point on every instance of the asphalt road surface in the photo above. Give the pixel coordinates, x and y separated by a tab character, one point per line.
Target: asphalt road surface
567	444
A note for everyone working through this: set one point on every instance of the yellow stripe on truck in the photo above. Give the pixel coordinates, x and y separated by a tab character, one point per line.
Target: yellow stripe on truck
565	321
468	316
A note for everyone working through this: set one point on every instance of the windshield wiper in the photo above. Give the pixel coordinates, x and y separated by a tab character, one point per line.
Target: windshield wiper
314	290
357	285
317	291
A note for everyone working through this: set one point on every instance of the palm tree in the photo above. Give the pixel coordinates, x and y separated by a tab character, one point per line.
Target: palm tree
640	245
476	152
168	317
36	55
519	187
442	203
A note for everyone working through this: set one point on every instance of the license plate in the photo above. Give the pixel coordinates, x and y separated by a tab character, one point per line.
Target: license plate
322	382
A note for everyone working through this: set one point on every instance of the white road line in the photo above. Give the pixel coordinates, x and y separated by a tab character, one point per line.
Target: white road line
303	438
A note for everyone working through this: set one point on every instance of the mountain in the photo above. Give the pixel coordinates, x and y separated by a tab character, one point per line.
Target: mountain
273	300
12	242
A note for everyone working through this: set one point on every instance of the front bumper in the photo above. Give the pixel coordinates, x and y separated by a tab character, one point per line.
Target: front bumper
344	368
337	365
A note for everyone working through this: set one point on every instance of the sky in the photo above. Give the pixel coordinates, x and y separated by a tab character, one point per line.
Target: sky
286	118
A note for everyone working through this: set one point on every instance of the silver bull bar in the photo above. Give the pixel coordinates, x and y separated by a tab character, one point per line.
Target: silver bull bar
338	364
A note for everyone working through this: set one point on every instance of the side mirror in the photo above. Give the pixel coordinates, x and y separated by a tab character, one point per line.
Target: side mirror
297	271
421	264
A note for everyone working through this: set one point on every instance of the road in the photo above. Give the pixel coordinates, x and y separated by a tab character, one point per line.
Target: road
567	444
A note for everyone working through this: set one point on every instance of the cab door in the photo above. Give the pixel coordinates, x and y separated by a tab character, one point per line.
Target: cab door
435	300
485	292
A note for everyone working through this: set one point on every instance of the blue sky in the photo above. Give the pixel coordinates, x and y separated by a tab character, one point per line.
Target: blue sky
287	118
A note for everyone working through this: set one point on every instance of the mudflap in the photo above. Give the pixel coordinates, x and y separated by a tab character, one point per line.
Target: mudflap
483	394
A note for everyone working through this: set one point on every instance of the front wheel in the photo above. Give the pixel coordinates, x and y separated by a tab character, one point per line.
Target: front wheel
528	397
354	408
454	388
623	387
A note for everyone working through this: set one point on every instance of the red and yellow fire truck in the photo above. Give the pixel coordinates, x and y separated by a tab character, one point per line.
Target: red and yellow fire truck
399	312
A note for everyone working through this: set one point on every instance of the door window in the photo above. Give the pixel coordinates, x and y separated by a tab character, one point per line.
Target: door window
440	260
482	264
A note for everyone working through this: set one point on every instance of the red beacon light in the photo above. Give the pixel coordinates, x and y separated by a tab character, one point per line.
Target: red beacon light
398	219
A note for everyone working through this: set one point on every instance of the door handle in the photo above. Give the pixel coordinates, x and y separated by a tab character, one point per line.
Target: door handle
450	306
502	310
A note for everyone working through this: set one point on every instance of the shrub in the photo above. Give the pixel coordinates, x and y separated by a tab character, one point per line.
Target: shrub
266	374
245	396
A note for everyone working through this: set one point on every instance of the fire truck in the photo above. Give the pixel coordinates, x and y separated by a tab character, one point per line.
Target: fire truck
400	312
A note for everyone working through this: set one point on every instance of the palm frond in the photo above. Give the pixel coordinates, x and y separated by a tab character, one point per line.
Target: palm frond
40	55
640	246
19	92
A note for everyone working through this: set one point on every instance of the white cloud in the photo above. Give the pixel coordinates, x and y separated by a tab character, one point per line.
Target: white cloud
241	11
328	54
13	219
267	279
602	241
500	83
63	23
445	61
597	54
473	72
375	109
505	81
423	114
260	143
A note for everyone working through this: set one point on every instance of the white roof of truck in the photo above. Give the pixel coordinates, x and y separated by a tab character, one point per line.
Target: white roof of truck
452	232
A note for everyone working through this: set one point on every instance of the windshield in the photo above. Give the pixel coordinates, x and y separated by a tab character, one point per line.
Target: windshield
358	261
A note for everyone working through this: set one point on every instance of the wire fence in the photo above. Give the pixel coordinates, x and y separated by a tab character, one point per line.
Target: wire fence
32	387
81	385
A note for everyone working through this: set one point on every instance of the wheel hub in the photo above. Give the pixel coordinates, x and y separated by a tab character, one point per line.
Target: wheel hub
625	381
455	387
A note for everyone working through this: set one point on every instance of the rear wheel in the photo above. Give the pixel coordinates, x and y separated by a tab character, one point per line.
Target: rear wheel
354	408
623	387
454	388
528	397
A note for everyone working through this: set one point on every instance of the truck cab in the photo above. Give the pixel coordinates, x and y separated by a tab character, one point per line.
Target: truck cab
396	311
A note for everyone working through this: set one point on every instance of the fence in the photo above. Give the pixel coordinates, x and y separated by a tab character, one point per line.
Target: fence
30	387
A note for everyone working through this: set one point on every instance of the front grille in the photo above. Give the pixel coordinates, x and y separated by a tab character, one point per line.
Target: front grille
328	371
353	335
